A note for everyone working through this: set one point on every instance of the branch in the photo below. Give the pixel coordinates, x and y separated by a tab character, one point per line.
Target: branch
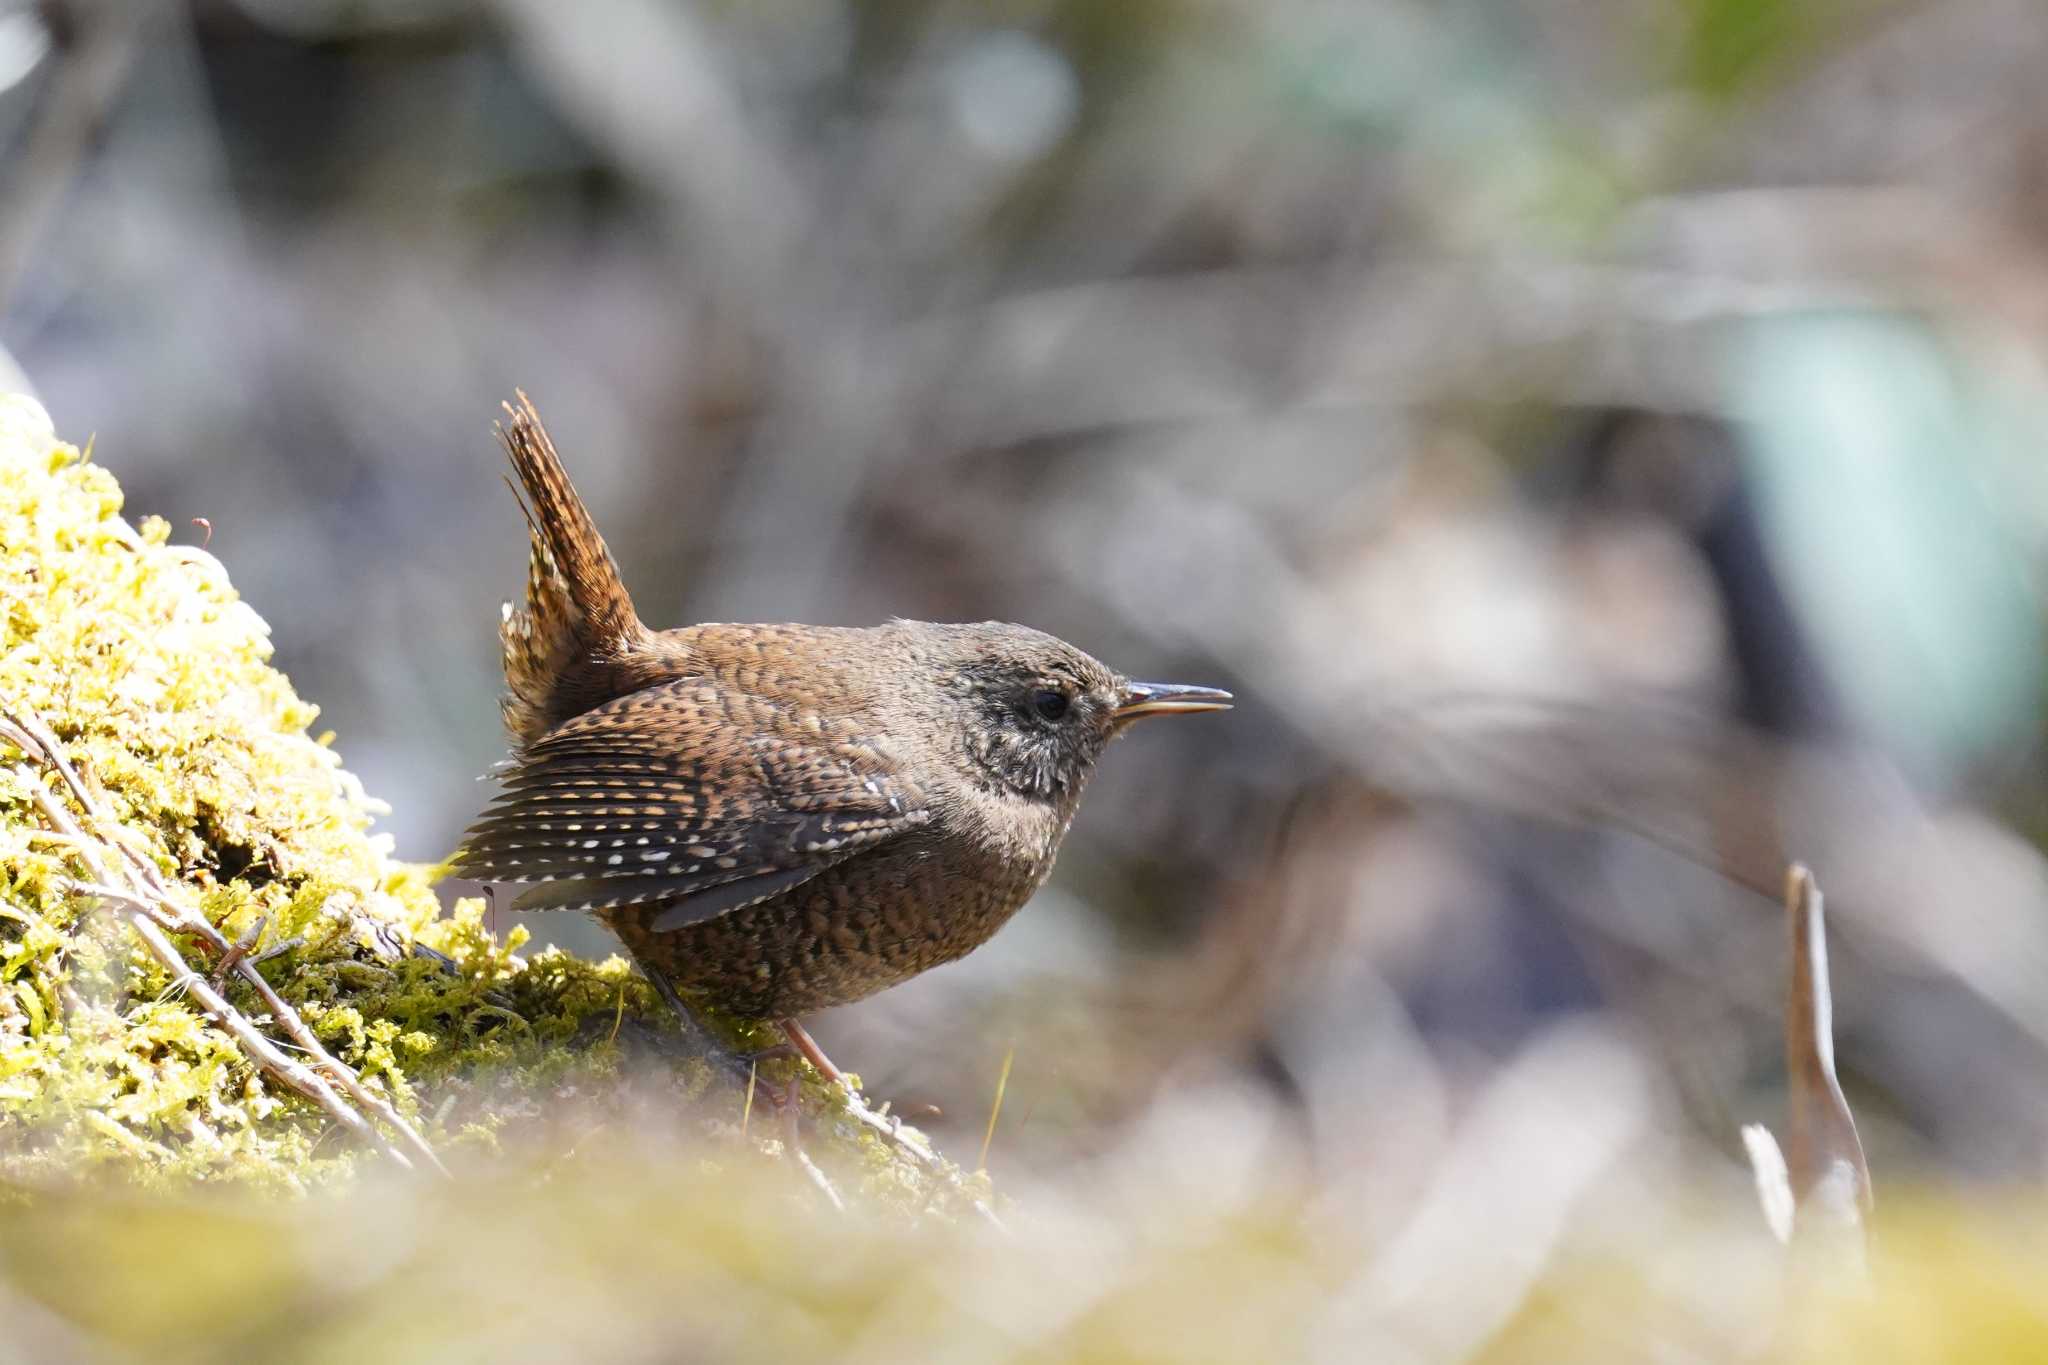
1820	1131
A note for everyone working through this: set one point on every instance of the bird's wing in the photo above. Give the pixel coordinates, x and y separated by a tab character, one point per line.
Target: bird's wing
686	794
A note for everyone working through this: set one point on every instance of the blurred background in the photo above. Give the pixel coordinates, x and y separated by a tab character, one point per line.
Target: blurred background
1600	441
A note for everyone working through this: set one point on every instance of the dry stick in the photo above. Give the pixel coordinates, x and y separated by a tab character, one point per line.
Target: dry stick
161	908
996	1110
747	1114
1820	1130
88	80
792	1141
36	739
243	946
288	1018
149	921
296	1074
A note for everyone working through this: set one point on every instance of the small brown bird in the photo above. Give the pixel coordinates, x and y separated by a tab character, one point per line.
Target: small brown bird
776	819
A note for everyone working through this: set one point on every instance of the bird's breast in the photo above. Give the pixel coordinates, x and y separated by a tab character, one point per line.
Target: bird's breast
859	927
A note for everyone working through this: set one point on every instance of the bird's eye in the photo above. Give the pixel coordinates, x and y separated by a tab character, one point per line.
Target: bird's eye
1050	703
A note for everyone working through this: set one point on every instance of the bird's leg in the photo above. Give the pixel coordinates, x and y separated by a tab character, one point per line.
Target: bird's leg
808	1048
697	1039
908	1140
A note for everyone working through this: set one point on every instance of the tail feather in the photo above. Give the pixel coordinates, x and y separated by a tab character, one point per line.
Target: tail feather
564	646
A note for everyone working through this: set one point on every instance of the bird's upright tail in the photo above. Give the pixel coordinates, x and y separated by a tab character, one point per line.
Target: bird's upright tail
568	646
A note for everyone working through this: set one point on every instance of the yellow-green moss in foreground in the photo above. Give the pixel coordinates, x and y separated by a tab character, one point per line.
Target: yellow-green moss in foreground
141	658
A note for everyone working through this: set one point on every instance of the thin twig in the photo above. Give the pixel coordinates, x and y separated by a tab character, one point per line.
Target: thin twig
995	1111
155	919
747	1114
792	1141
1820	1130
89	78
292	1072
288	1018
240	949
618	1017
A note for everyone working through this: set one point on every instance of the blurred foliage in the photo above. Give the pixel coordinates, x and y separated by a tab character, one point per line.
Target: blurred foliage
1732	44
1864	435
632	1250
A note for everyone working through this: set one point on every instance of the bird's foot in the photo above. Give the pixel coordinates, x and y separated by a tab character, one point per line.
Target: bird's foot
698	1040
800	1045
803	1045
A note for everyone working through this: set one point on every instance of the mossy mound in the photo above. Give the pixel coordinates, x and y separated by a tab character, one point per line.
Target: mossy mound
154	677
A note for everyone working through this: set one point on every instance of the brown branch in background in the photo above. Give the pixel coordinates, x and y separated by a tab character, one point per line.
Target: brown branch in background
1824	1184
1820	1131
141	894
92	74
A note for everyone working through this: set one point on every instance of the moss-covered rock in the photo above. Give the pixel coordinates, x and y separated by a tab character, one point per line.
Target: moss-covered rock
155	678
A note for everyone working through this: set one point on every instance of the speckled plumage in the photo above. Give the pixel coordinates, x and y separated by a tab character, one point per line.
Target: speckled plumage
779	818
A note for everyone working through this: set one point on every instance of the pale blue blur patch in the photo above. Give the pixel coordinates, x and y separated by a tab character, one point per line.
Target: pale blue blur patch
24	42
1013	95
1899	521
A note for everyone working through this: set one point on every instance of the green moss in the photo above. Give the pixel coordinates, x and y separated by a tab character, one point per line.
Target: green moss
155	676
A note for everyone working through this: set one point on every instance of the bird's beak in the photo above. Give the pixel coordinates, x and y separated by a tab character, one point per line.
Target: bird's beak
1168	699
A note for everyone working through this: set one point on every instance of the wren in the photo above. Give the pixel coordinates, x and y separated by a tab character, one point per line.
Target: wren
775	819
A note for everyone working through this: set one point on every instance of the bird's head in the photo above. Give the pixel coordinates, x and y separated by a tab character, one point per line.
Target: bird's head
1034	713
